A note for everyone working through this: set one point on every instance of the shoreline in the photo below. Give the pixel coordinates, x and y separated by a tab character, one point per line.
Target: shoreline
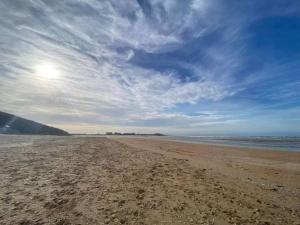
292	156
183	139
180	139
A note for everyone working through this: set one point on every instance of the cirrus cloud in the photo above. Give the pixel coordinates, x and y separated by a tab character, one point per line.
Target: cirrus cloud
192	52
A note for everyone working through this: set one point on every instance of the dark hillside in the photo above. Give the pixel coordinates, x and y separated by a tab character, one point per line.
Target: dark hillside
11	124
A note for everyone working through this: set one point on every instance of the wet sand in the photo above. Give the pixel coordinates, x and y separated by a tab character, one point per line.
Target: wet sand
96	180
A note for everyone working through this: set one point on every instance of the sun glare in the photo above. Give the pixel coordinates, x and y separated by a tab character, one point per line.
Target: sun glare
47	70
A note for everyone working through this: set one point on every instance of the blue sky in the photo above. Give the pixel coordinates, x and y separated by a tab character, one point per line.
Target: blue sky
189	67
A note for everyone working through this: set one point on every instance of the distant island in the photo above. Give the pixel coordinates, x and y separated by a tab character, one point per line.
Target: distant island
118	133
11	124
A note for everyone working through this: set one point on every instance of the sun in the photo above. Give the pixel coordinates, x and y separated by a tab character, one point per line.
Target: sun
47	70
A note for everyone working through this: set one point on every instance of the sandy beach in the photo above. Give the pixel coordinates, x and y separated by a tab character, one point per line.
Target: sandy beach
97	180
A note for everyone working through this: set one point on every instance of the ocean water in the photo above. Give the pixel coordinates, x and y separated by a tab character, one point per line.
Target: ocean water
259	142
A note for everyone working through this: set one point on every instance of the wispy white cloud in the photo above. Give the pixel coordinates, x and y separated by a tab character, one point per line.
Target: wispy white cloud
92	44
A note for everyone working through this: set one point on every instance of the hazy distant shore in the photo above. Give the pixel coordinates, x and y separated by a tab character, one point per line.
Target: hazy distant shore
118	180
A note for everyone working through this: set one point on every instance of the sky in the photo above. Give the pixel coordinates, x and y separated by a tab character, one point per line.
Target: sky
193	67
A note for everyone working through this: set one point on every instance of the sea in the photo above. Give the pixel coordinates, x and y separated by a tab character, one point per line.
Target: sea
282	143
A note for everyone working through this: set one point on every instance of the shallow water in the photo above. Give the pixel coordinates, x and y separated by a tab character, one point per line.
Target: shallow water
260	142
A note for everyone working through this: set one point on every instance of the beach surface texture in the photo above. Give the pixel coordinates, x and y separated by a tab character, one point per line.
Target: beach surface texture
98	180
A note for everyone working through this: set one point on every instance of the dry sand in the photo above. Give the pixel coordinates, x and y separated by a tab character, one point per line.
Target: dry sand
95	180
